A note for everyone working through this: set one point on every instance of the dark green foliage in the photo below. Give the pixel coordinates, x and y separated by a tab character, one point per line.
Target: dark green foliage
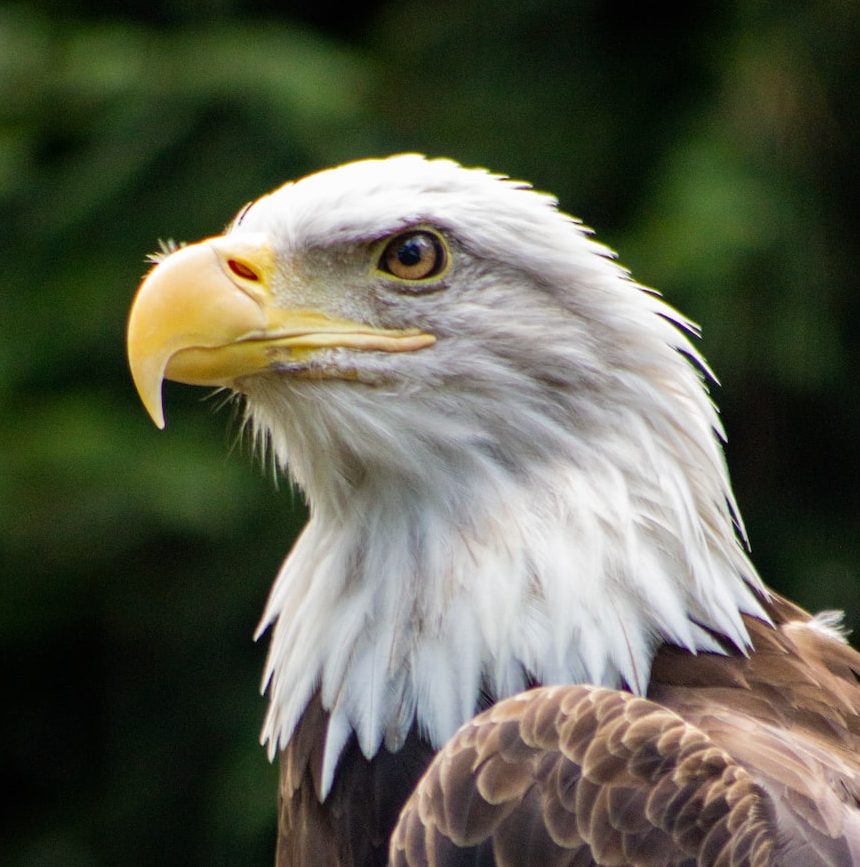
717	150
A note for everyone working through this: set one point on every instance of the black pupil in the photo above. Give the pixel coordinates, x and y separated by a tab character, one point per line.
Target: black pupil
410	252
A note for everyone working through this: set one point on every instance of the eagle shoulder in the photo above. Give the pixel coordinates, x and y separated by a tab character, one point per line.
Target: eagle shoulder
731	759
583	775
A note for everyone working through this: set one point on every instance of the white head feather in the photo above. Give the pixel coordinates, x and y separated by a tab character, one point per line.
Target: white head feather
540	496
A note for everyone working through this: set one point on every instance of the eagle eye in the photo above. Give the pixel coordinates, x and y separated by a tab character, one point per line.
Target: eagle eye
414	255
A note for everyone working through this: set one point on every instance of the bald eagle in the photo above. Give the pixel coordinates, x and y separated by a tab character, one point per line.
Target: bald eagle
521	626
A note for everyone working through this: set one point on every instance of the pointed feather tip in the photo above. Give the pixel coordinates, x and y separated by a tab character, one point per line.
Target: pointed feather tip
337	734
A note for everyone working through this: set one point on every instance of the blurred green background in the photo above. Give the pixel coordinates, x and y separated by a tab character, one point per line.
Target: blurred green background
716	148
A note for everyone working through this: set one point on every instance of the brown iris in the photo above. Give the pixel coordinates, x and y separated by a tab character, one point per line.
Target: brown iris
414	255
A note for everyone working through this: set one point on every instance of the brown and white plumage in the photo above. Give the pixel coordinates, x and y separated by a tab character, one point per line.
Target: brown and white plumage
730	760
515	480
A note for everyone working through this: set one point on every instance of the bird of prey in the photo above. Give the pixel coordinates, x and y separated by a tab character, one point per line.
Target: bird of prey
521	626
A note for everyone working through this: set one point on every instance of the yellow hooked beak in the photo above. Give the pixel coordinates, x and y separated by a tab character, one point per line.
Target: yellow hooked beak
206	315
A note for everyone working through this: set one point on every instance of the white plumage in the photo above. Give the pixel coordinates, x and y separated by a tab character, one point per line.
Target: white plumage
539	496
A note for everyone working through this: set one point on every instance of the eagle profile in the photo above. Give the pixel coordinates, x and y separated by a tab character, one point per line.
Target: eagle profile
520	510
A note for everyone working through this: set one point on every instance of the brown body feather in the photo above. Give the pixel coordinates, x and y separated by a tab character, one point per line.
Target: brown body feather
731	760
353	825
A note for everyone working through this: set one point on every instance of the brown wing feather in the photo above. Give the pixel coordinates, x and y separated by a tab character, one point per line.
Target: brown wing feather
732	760
790	714
583	775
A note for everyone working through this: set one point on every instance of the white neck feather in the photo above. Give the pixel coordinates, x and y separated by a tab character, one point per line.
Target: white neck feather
434	568
539	497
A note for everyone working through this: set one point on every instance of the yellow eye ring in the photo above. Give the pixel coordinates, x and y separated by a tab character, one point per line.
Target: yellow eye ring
414	255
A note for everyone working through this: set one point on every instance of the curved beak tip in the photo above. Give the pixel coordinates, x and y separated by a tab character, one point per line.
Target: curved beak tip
148	379
157	416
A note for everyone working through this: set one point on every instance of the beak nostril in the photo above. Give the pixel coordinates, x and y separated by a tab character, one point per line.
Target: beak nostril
240	269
